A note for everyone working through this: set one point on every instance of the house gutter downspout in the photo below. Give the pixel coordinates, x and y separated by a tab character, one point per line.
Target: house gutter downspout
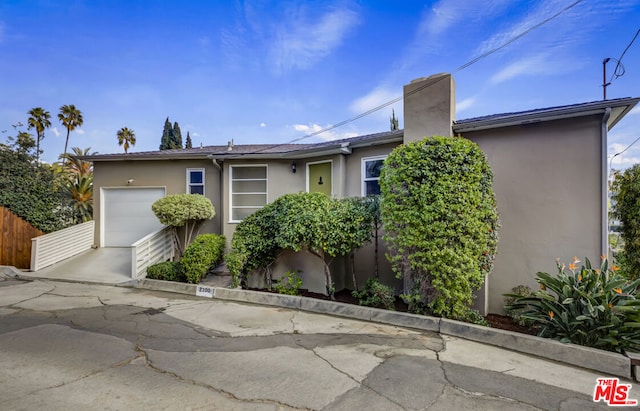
604	240
220	212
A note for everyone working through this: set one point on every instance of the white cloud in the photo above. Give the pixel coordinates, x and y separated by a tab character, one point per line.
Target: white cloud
465	104
55	131
635	111
446	13
287	36
327	135
537	64
79	131
300	42
376	97
263	124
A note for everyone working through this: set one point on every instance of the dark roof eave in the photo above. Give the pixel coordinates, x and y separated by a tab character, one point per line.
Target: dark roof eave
322	149
144	156
559	113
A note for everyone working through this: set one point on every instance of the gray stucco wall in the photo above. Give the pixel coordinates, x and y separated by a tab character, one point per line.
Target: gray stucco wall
547	183
157	173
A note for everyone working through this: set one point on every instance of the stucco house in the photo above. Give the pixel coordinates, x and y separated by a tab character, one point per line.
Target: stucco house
549	178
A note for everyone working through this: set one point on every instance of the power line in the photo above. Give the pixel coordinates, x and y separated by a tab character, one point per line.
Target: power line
519	36
621	152
429	84
615	71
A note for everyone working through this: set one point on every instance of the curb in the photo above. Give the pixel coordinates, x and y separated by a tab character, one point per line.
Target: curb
576	355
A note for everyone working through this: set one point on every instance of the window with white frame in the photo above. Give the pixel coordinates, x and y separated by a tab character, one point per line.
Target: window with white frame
195	181
371	167
248	190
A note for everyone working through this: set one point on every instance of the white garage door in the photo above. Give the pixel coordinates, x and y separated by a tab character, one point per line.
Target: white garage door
127	215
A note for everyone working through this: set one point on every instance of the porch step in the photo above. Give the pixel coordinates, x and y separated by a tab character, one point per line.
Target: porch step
221	269
218	277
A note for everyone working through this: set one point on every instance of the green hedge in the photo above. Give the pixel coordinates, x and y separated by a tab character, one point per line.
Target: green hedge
167	271
203	254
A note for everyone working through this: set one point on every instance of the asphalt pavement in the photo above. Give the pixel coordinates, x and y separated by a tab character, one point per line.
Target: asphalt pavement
73	346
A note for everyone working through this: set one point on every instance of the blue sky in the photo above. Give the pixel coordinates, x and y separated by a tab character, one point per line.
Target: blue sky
273	71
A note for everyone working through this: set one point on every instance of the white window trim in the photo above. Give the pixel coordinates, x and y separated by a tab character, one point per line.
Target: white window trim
231	207
319	162
189	184
363	172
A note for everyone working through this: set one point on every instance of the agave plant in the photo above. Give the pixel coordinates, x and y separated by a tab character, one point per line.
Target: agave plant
594	307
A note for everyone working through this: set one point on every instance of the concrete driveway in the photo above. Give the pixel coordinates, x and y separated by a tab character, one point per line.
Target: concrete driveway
104	265
67	346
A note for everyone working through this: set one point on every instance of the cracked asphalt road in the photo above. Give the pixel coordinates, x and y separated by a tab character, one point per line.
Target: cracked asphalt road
66	346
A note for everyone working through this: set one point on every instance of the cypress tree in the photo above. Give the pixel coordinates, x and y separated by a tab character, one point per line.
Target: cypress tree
167	136
188	143
177	136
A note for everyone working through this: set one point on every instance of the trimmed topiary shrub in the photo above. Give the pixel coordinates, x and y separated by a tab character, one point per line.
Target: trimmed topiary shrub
203	254
440	222
188	211
167	271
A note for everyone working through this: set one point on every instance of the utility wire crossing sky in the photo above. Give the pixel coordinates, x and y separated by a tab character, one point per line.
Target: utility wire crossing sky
279	71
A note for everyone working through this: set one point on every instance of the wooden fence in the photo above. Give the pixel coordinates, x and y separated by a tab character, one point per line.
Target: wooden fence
15	239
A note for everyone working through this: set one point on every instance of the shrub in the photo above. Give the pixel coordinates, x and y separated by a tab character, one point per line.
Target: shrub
440	222
323	226
203	254
253	244
586	306
289	284
167	271
189	211
376	294
521	291
626	208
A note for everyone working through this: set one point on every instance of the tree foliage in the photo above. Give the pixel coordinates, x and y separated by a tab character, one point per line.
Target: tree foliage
313	222
71	118
171	136
126	138
40	120
29	189
393	121
177	136
77	184
188	143
186	211
626	208
440	221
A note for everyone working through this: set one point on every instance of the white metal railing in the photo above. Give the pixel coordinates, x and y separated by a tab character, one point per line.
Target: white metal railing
152	249
54	247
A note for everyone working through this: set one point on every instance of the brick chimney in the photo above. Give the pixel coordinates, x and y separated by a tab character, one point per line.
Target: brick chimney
429	107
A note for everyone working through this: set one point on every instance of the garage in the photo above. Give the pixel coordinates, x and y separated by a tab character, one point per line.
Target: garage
127	215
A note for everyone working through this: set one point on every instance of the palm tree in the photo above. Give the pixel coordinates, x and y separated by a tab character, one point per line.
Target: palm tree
127	138
78	191
70	117
75	166
77	183
39	119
